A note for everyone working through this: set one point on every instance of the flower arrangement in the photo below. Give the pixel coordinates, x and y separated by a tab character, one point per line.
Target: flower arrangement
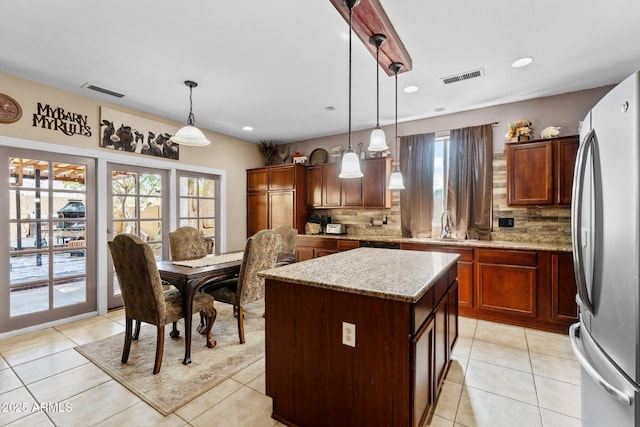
520	128
268	149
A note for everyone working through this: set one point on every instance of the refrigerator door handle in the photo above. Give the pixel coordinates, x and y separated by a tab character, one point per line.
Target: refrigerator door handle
576	222
623	397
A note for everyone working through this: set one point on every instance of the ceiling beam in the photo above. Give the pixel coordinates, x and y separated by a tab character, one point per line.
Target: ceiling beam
369	18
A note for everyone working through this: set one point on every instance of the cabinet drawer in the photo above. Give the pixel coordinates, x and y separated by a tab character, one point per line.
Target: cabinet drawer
465	254
527	258
345	245
421	310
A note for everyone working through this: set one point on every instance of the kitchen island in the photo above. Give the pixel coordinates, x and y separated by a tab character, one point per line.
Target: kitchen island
361	337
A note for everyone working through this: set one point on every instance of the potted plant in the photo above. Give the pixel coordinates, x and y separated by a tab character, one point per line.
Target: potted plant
520	130
268	149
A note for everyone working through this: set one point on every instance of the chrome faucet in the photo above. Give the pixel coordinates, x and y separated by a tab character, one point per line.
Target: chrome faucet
446	224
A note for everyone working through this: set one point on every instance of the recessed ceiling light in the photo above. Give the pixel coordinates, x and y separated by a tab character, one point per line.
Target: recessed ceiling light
411	89
439	109
330	108
247	128
522	62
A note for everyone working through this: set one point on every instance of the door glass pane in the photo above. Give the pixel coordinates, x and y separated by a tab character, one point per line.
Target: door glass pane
70	176
29	299
68	292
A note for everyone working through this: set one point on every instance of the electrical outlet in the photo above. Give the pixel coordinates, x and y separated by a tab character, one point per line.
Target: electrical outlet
349	334
505	222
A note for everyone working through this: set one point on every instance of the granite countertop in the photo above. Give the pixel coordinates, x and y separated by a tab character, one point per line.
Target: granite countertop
385	273
491	244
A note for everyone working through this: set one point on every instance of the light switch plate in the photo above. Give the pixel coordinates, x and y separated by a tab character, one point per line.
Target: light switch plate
349	334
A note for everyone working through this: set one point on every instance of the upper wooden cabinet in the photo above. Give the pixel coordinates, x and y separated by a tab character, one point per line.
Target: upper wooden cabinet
276	196
541	172
326	190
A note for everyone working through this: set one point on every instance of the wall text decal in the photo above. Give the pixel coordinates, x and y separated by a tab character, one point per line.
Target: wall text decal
58	119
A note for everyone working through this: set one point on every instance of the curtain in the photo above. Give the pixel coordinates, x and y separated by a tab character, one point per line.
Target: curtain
470	181
416	201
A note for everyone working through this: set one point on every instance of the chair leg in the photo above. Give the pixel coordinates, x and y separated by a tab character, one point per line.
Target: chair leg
210	315
128	326
159	349
175	333
240	312
136	334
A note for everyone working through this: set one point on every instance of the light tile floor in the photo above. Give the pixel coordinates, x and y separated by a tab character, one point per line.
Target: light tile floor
500	375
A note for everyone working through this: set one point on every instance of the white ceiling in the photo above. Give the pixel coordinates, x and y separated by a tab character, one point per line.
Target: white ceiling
276	65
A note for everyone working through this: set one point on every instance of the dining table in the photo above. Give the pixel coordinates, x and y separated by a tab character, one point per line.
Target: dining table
190	276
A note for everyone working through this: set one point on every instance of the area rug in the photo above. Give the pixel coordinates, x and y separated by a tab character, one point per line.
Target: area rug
177	384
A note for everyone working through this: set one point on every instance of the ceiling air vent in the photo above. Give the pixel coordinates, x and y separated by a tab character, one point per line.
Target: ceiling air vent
102	90
463	76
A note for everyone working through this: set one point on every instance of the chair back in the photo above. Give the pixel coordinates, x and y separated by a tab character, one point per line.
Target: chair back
260	253
187	243
139	279
288	236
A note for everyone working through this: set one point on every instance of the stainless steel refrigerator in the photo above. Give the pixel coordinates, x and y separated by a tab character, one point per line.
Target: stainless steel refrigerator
606	250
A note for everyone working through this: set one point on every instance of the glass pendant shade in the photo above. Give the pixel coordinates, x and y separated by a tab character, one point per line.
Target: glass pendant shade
395	181
378	140
350	165
190	135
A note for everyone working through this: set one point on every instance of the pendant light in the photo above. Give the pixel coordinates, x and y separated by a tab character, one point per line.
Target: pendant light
395	181
190	135
350	161
378	139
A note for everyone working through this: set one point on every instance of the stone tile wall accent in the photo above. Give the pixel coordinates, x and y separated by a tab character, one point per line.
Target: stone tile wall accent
531	224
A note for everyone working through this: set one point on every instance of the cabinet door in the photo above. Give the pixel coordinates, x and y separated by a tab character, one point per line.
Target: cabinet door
258	179
257	212
563	289
422	375
303	253
566	153
530	173
375	183
282	208
452	323
314	186
282	178
352	192
508	282
441	315
331	184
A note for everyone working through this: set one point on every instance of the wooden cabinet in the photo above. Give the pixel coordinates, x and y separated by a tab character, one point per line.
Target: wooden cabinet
507	282
313	247
563	289
423	372
541	172
465	267
276	196
326	190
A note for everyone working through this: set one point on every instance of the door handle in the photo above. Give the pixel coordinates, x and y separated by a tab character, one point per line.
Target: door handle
621	396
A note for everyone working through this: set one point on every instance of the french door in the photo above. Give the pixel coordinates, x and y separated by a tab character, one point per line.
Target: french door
139	205
47	220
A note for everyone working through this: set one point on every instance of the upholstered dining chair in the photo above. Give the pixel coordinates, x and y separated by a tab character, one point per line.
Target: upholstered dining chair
260	253
144	298
287	250
187	243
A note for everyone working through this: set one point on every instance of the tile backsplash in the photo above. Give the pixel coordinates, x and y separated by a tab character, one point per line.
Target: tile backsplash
531	224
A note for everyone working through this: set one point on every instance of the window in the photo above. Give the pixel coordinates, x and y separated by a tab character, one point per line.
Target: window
439	180
197	203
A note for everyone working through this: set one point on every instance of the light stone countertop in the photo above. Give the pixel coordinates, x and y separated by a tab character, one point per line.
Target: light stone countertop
393	274
489	244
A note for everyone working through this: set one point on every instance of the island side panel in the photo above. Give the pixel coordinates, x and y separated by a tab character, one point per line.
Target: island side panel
314	379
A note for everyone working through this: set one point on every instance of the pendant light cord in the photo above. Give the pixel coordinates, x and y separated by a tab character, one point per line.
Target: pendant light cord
191	118
377	84
350	13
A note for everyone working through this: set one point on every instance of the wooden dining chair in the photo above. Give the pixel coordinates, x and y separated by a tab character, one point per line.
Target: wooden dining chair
144	298
260	253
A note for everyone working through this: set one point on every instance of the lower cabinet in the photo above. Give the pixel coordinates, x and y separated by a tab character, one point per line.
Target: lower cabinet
313	247
563	289
423	372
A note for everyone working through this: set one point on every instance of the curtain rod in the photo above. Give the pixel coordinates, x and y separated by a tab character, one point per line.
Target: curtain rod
440	132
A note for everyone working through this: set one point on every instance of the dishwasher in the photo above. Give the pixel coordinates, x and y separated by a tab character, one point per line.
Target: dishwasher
383	245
